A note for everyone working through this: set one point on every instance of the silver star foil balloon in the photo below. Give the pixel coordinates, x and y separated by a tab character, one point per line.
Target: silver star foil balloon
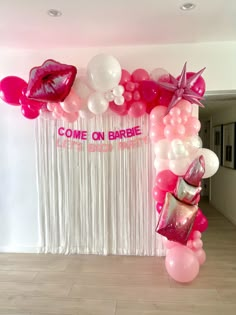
181	88
195	171
176	220
187	193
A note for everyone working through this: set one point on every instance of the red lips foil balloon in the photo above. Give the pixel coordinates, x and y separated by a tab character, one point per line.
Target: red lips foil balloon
51	82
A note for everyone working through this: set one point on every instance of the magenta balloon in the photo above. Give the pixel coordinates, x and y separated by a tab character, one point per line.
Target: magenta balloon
182	264
199	86
166	180
148	90
164	97
159	207
24	100
158	194
140	75
201	222
121	110
29	112
11	90
125	77
137	109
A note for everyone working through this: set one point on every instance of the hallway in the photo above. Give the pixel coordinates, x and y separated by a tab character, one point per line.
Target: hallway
119	285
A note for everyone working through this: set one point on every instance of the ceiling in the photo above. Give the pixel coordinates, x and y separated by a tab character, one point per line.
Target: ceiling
25	23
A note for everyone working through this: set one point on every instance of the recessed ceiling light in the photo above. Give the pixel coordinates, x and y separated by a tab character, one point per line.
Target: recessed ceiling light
54	13
187	6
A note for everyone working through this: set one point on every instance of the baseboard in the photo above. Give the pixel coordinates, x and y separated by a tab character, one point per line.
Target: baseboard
20	249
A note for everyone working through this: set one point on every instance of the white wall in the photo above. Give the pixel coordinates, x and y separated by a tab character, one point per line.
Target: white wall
223	183
18	203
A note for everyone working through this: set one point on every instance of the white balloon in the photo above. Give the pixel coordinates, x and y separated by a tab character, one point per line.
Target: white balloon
157	73
109	96
178	148
179	167
86	114
161	149
211	162
194	141
161	165
97	103
119	100
81	87
118	90
104	72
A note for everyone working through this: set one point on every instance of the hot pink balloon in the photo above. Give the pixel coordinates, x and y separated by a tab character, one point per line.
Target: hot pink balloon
125	77
140	75
148	90
199	86
29	112
11	89
182	264
164	97
137	109
158	194
201	222
70	117
159	207
166	180
121	110
151	106
24	100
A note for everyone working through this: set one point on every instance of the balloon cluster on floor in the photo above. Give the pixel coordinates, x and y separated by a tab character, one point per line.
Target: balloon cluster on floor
67	93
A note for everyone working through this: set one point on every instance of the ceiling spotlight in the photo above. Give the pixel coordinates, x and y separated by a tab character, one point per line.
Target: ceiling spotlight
54	13
187	6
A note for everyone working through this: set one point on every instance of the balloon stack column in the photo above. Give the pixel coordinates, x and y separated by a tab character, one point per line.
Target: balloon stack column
60	92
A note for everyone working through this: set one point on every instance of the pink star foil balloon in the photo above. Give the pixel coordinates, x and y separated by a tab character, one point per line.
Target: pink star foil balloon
187	193
181	88
176	220
195	172
51	82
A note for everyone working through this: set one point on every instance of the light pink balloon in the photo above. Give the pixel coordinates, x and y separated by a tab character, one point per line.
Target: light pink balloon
175	112
184	118
169	244
192	126
170	132
201	255
167	120
185	107
157	114
182	264
156	133
58	110
72	103
197	244
180	130
175	120
70	117
51	106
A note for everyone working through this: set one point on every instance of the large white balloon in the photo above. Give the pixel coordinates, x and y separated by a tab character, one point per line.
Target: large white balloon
179	167
97	103
104	72
211	162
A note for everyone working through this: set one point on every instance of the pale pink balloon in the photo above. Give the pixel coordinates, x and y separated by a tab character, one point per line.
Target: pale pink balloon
201	255
157	114
182	264
170	132
72	103
51	106
185	107
70	117
56	115
197	235
192	126
156	133
180	130
184	118
169	244
167	120
175	112
197	244
175	120
58	110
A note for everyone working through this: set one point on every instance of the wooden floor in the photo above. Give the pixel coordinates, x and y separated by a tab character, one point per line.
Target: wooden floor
92	285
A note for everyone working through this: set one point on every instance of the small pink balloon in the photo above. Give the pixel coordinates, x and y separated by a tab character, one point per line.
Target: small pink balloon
121	110
130	86
140	75
128	96
158	194
180	130
136	96
72	103
184	118
70	117
137	109
201	255
157	114
56	115
167	120
197	244
175	120
51	106
166	180
175	112
182	264
11	89
159	207
192	126
156	133
169	244
58	110
170	132
125	77
29	112
185	107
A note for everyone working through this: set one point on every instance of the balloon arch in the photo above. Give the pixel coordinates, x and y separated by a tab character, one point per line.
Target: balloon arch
59	90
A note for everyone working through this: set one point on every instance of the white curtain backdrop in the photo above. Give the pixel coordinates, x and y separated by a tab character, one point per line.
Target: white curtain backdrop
96	202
